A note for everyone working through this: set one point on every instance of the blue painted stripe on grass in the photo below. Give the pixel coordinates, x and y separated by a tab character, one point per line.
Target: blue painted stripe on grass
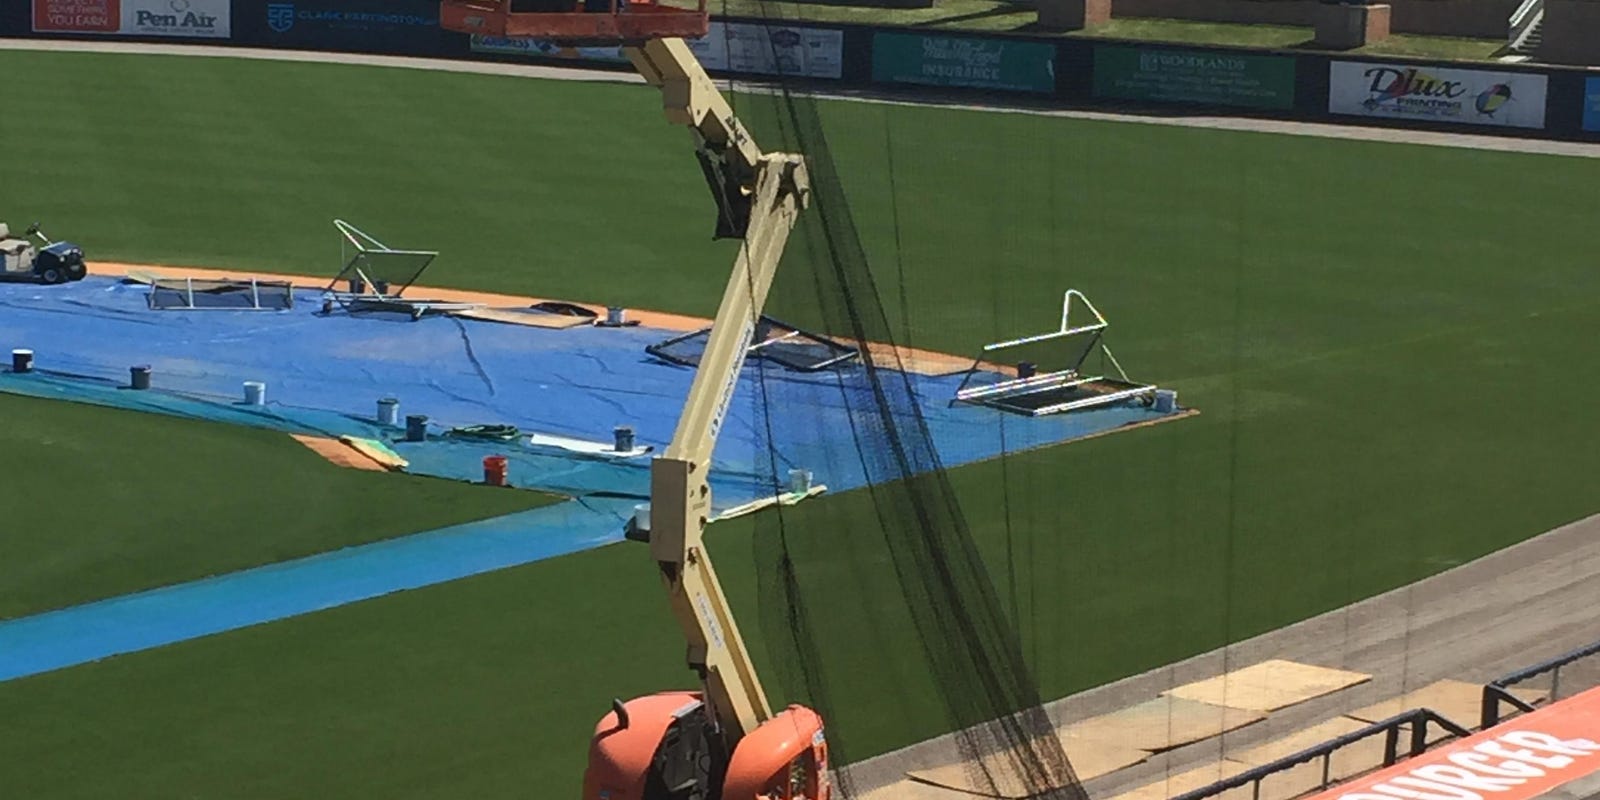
89	632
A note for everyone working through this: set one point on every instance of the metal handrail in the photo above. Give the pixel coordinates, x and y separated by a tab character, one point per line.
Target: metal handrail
1495	692
1524	12
1524	19
1418	719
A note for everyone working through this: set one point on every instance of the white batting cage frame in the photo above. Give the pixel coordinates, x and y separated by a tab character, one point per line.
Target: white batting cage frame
1063	388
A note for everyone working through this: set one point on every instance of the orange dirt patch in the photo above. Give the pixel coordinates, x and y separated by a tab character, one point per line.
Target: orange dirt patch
338	452
910	359
653	319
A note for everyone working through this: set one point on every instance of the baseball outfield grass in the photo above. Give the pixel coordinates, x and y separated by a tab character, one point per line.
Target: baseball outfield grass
1390	344
106	502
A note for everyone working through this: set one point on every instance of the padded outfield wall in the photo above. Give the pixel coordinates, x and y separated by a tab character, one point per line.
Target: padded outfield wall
1480	19
1473	97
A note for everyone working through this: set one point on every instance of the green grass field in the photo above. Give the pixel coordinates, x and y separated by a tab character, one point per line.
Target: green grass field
1390	345
109	502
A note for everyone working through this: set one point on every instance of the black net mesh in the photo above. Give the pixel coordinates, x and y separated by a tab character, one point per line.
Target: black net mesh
876	607
384	272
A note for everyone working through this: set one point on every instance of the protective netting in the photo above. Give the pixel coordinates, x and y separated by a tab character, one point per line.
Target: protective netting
373	269
382	272
876	607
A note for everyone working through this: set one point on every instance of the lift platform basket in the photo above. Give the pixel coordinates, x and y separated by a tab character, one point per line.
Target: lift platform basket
577	22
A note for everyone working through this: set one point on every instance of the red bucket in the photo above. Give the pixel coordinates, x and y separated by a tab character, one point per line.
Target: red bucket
494	470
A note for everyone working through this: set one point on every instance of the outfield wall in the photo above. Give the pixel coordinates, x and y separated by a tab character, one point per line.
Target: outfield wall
1479	19
1507	99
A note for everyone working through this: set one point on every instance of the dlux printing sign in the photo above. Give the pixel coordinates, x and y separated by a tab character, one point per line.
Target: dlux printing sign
205	19
1436	94
744	48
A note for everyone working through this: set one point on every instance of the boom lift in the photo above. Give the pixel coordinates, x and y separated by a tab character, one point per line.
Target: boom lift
723	742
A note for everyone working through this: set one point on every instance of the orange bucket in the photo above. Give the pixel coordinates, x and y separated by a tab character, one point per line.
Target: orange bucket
494	470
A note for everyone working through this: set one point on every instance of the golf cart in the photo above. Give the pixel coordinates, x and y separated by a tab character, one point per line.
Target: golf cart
54	262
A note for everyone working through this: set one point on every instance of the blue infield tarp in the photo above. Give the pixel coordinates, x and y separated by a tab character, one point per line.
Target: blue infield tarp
144	620
325	373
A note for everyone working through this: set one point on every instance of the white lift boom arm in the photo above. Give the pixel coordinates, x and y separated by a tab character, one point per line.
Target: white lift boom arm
760	196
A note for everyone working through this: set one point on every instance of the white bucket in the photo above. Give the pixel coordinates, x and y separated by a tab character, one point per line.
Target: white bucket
641	516
255	393
389	412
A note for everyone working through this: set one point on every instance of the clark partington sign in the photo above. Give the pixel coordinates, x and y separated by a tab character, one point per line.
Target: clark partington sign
1437	94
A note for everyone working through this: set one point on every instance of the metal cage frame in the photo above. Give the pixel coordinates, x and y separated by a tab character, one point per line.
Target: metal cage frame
366	294
1001	394
184	287
844	353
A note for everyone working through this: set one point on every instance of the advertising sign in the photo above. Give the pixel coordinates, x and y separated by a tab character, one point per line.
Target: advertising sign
77	16
1176	76
1523	759
963	61
198	18
1591	104
546	49
397	26
754	49
744	48
203	19
356	15
1437	94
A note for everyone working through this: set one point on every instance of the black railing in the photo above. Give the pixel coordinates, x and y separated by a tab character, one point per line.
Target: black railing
1497	691
1418	719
